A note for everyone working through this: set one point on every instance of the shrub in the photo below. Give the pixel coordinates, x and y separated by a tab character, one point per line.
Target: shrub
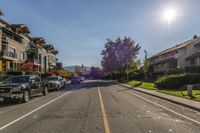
177	80
174	71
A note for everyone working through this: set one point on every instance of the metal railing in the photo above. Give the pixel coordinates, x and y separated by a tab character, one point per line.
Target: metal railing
9	54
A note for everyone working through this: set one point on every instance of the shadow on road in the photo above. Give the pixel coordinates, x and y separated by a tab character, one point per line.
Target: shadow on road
92	84
89	85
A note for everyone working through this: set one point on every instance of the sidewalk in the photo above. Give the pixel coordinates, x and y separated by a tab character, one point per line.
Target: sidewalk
181	101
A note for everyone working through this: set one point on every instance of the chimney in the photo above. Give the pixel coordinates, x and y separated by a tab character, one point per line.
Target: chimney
195	37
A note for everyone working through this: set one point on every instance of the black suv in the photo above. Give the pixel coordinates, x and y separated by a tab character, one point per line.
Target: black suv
22	87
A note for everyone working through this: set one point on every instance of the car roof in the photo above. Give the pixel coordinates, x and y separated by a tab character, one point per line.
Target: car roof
52	76
29	76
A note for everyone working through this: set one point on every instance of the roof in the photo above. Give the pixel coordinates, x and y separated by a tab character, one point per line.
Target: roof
39	40
166	60
176	47
23	28
4	22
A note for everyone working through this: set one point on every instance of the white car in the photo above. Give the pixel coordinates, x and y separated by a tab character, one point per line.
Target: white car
55	82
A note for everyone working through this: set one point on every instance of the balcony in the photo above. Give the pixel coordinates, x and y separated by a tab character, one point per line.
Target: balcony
9	55
4	40
36	62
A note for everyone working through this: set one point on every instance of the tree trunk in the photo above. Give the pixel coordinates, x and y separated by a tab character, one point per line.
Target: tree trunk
127	77
145	76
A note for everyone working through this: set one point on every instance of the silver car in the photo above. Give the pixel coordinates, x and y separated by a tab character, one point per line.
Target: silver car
55	83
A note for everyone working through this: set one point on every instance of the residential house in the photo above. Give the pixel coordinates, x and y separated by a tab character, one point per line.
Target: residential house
182	56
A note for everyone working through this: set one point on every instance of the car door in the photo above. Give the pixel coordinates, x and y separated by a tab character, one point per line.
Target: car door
33	86
38	84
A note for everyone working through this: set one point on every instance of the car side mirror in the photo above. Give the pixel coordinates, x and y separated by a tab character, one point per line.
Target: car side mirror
32	81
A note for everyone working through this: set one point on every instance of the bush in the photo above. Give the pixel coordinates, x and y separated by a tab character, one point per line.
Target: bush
174	71
176	81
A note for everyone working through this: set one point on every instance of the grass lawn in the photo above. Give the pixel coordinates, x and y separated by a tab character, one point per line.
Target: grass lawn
142	84
178	93
196	94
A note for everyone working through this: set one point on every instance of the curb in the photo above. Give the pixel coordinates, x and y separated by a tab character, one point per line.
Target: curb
176	102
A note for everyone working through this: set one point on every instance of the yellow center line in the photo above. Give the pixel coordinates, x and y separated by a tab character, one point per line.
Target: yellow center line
105	120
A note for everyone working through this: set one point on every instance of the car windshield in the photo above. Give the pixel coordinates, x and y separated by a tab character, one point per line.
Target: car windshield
18	79
52	78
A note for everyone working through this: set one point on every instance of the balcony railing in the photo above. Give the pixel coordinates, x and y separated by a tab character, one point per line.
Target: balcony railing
36	61
4	40
9	54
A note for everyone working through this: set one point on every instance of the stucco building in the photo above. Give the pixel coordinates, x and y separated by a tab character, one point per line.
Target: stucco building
17	46
184	56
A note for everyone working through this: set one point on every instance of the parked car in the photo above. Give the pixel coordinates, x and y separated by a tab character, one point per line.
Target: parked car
55	82
76	80
82	78
22	87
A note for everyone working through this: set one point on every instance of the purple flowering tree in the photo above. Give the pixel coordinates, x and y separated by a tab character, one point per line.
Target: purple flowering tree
118	55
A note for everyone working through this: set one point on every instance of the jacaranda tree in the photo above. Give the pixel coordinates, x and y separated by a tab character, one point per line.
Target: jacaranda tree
118	55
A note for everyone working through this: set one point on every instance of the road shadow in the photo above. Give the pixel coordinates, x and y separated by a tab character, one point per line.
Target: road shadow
89	85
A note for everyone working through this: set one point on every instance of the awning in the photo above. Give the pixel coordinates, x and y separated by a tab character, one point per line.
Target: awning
166	60
193	56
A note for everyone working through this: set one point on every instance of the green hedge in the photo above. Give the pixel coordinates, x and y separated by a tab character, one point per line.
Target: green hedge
176	81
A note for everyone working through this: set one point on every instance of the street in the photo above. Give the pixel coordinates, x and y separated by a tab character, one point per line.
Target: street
97	106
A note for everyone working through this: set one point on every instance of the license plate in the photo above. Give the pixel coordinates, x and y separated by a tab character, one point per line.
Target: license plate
1	99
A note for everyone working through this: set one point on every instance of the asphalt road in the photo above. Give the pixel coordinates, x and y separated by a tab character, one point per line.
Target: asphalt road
97	107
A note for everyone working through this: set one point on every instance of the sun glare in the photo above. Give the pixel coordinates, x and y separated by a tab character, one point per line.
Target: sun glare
169	15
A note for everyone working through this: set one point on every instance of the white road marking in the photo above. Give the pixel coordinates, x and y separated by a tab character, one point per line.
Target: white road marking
18	119
165	114
195	121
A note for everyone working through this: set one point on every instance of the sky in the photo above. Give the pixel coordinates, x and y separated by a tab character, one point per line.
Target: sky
79	28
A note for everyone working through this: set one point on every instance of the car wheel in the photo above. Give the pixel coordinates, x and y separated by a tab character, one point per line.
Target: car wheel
63	86
26	97
45	91
58	88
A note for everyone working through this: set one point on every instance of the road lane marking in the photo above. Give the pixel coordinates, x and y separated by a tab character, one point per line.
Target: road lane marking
105	120
18	119
195	121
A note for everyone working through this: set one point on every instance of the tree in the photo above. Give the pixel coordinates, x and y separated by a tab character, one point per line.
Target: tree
133	67
146	65
27	66
119	54
96	72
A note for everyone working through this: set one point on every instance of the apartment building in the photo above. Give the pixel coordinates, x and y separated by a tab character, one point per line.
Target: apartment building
14	43
52	52
17	47
182	56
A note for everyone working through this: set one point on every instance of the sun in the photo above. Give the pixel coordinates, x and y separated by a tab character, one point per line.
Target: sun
169	15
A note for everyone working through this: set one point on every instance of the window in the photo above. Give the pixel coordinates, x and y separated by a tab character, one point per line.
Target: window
12	50
37	79
22	55
193	61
